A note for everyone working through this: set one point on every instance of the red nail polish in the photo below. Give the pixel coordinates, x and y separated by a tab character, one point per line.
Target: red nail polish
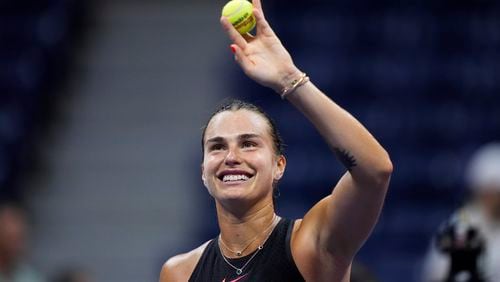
233	49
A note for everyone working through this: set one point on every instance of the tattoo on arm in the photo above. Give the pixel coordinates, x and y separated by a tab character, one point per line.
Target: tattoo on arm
345	158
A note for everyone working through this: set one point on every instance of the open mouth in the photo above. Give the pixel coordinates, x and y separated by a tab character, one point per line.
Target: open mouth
234	176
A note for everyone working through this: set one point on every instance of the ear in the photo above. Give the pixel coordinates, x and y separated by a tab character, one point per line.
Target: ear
203	175
280	167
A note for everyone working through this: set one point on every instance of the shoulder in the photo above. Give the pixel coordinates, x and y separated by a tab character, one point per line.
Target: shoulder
180	267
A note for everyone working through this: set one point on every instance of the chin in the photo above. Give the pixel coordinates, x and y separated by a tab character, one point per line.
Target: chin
233	193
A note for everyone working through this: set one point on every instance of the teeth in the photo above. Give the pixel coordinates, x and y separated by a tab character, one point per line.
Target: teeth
232	177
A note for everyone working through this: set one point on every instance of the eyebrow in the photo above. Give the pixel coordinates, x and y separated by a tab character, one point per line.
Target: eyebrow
245	136
215	140
248	136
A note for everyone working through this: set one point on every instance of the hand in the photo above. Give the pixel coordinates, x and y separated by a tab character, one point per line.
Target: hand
262	57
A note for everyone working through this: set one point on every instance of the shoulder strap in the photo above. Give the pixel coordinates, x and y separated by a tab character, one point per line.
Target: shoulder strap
198	270
288	238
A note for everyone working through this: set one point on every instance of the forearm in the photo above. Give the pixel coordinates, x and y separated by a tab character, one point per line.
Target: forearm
264	59
354	146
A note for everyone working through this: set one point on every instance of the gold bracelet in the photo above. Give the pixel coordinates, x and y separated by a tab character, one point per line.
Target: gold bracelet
294	85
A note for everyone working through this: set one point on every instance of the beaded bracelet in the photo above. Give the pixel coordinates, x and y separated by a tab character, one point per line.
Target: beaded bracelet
294	85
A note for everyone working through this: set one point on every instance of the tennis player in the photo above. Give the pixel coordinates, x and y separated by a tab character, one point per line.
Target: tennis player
243	161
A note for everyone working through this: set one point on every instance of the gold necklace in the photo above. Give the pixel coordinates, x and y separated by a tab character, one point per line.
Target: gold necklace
239	271
240	253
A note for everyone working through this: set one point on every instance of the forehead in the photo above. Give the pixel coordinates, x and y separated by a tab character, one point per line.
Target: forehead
229	124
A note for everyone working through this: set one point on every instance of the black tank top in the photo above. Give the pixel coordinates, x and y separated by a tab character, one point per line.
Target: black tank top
273	263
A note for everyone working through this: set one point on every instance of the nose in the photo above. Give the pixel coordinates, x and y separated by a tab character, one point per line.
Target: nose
232	157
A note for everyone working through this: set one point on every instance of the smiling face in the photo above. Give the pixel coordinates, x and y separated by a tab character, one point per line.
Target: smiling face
240	162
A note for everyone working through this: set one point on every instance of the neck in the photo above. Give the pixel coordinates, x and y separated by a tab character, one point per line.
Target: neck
238	230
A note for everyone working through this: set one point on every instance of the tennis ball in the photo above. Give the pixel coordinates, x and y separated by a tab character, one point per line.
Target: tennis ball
239	13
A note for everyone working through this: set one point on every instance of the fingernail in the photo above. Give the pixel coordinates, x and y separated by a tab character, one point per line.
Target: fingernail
233	49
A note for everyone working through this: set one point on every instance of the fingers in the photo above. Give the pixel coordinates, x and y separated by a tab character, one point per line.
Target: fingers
262	25
241	58
233	34
257	5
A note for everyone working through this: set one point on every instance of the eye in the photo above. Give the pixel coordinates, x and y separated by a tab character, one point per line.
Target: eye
216	147
248	144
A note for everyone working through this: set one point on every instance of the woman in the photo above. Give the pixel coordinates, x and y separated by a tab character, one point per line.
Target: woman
242	162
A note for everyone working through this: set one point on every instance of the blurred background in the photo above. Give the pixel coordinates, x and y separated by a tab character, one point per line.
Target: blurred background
102	105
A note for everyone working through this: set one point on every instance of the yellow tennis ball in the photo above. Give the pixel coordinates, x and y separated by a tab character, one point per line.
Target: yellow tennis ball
240	15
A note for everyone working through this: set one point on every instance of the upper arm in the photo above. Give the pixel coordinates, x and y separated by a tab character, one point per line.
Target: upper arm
339	224
352	213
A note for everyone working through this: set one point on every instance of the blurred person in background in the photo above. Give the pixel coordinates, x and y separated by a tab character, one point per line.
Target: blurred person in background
467	247
242	163
72	274
13	244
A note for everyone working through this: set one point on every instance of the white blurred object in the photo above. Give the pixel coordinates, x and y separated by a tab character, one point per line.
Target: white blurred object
483	172
437	263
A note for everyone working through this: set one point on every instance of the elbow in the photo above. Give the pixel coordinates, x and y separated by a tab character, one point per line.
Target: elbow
378	172
386	166
384	171
375	173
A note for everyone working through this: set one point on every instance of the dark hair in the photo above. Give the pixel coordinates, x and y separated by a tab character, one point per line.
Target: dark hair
11	206
234	105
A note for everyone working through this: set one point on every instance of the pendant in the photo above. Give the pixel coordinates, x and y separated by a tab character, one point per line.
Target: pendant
239	271
238	254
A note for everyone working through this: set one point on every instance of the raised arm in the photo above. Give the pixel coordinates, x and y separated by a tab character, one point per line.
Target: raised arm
339	224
